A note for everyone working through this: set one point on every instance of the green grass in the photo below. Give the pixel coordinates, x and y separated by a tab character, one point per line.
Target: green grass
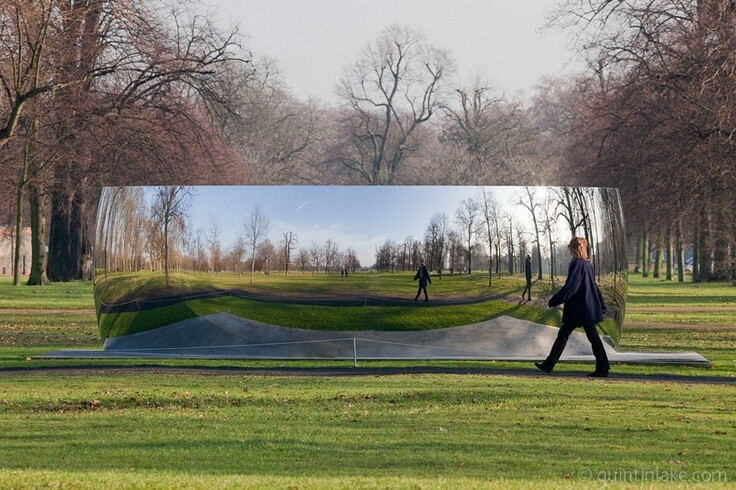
75	295
121	430
325	317
387	431
31	329
684	318
654	292
129	285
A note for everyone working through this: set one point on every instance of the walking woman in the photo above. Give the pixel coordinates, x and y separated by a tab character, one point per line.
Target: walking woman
584	307
424	279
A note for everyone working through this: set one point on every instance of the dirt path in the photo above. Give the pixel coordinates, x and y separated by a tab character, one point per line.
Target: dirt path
13	311
359	371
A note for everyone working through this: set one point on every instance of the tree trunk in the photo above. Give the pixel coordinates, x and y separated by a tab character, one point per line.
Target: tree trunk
696	249
18	229
253	263
490	264
38	238
637	265
68	243
704	259
680	252
668	244
644	254
166	250
658	256
721	270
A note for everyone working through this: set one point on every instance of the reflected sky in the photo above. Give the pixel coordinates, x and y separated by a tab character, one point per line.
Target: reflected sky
361	217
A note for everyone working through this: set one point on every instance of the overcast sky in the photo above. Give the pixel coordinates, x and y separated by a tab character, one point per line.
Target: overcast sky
313	40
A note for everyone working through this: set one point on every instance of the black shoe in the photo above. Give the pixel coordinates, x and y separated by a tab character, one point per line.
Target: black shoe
542	367
598	374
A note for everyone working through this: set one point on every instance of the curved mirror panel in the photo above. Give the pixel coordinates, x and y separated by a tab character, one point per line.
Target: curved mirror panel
348	258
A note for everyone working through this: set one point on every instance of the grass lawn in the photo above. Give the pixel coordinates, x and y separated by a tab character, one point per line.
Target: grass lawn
648	292
93	429
74	295
401	430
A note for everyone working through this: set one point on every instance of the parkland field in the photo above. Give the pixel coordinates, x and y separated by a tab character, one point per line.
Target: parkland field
296	424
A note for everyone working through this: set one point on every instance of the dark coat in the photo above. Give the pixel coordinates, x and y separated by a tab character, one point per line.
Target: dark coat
583	301
528	269
423	276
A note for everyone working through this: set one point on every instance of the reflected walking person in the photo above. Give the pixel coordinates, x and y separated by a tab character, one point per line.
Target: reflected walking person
528	273
424	279
584	307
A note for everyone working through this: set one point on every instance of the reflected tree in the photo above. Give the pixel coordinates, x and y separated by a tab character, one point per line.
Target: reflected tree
170	206
288	244
532	206
466	216
254	231
489	210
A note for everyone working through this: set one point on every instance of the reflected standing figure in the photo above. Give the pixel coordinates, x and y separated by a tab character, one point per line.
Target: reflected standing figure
424	279
584	307
528	274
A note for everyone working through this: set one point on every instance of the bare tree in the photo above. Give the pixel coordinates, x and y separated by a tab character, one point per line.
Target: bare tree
73	75
331	251
317	254
278	136
266	254
388	93
532	206
236	254
489	210
213	243
289	243
550	221
170	205
254	231
466	215
303	260
490	129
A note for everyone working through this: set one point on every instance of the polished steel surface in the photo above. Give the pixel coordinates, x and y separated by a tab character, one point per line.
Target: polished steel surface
344	258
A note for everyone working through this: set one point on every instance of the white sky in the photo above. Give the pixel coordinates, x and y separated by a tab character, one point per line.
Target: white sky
313	40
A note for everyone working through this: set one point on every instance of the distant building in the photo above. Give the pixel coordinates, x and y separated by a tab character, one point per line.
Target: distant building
7	248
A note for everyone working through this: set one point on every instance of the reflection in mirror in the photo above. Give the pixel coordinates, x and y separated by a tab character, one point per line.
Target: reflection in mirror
349	257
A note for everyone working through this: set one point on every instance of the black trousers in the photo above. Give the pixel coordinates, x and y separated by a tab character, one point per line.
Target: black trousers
422	288
527	288
601	359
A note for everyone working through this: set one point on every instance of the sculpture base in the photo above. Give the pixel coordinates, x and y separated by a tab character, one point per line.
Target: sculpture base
225	336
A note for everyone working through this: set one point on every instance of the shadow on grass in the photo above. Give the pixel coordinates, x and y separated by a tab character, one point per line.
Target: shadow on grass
342	371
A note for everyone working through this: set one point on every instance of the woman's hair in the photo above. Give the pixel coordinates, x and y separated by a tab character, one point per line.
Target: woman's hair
579	248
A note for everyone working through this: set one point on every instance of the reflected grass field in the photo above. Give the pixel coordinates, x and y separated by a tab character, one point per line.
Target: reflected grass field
397	318
118	287
148	284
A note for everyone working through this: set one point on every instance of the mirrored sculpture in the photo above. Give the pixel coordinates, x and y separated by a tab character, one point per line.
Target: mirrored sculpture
310	269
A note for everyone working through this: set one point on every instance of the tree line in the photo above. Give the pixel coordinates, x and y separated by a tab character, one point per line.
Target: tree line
126	92
139	232
654	117
487	234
